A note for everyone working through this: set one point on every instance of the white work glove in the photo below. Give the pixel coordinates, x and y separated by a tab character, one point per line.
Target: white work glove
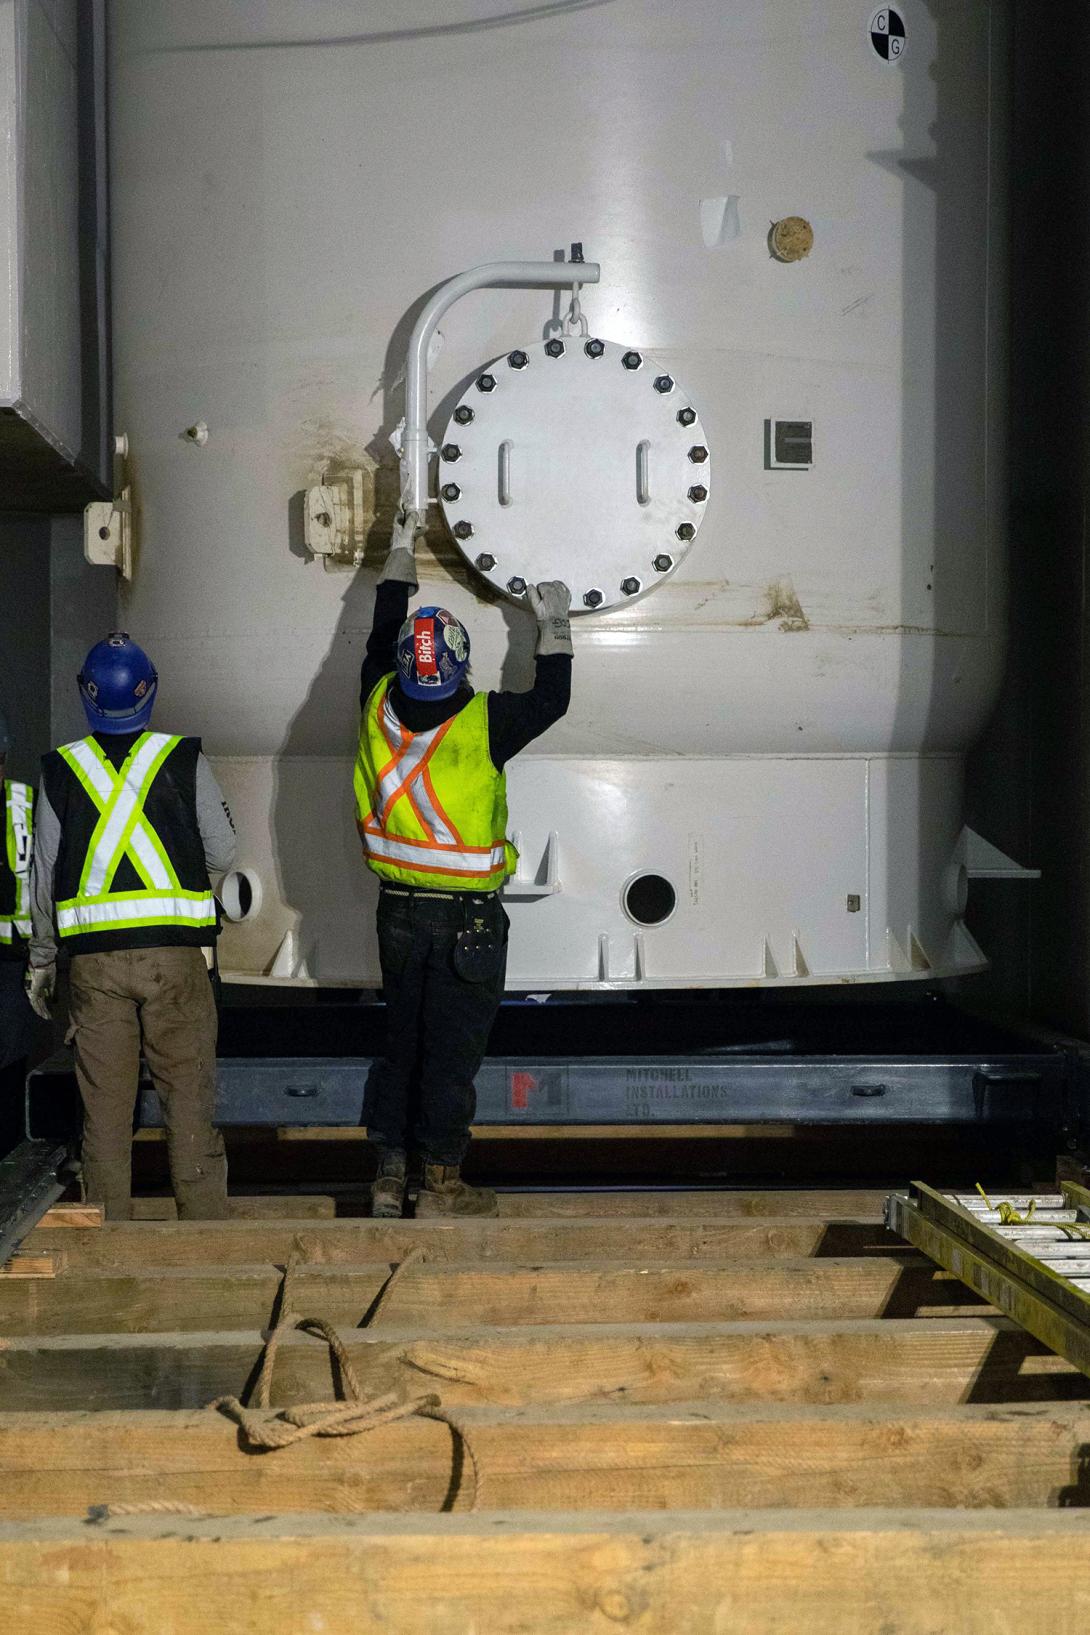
401	562
40	983
550	603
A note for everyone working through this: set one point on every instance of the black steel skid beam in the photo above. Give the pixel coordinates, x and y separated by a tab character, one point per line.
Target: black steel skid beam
678	1089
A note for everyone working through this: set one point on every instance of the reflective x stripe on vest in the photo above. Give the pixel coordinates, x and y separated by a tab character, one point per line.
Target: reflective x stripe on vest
453	836
18	834
123	831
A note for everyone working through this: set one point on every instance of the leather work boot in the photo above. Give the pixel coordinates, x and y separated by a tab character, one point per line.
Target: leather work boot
445	1193
388	1191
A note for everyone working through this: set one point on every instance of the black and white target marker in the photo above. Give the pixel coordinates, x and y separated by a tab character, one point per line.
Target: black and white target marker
887	34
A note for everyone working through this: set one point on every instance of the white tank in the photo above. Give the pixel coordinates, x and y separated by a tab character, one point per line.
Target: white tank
777	729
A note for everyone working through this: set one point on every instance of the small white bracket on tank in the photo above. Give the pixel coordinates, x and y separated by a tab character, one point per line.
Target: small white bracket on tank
545	881
107	533
983	861
336	519
575	459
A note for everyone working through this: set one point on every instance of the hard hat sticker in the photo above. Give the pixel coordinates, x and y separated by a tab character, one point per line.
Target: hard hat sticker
887	34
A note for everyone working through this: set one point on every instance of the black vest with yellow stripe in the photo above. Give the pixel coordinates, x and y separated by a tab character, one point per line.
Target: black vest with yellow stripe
130	910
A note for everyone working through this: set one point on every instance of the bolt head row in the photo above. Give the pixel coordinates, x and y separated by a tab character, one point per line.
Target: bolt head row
631	586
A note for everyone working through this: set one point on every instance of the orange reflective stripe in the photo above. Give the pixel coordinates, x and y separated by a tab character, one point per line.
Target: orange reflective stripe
416	771
445	816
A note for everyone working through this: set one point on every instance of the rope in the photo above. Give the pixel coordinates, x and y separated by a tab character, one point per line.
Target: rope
349	1415
1008	1215
145	1507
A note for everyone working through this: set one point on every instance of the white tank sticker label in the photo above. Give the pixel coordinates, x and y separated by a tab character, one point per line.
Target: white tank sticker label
887	34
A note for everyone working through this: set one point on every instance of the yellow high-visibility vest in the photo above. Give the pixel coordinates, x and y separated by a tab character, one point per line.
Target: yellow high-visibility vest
430	806
18	811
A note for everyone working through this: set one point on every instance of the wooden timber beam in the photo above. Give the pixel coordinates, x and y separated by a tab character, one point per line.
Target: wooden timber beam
925	1362
139	1246
296	1206
693	1456
184	1298
841	1573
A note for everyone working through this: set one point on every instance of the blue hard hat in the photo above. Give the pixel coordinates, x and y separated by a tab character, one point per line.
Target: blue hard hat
117	685
432	653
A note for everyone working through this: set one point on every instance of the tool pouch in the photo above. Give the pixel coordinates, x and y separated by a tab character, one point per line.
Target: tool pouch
479	950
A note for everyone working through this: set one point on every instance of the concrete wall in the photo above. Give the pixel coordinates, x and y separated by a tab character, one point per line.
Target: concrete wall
1029	786
24	639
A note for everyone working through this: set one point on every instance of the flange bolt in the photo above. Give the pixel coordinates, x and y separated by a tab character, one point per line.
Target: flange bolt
516	586
486	383
451	491
517	360
685	531
594	349
554	348
698	454
463	530
631	587
486	562
686	417
593	598
451	451
698	493
631	360
463	414
663	562
664	383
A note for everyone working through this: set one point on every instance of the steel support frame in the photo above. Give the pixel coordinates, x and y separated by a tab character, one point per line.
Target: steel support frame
327	1091
1038	1299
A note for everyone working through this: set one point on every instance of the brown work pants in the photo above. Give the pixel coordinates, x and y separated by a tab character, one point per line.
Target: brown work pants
160	998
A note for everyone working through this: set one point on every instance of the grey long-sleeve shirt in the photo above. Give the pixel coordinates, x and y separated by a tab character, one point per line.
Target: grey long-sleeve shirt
217	836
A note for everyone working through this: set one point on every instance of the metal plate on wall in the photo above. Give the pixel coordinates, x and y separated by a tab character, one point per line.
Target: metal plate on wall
575	459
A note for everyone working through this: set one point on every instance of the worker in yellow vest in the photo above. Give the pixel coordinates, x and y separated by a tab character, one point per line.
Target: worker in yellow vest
16	1016
129	824
431	808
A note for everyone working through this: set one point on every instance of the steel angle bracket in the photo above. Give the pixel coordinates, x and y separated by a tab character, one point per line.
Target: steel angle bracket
1040	1300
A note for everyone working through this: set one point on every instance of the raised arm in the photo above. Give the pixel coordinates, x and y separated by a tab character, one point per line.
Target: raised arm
396	584
516	719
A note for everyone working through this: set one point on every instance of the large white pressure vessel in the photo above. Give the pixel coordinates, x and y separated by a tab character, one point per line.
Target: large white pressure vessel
778	729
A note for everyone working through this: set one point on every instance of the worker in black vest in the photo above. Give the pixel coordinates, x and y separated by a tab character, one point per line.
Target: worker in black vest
16	1017
128	825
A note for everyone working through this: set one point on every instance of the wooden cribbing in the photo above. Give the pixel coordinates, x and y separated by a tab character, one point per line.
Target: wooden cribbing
692	1456
240	1242
813	1204
924	1362
30	1265
825	1572
181	1298
296	1206
72	1215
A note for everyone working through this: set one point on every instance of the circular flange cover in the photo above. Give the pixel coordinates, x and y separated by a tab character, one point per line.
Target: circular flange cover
575	459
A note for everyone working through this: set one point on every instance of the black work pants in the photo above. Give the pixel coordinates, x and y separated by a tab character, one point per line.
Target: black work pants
421	1094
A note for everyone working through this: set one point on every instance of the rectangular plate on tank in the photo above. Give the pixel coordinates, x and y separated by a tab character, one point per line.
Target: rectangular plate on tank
312	1091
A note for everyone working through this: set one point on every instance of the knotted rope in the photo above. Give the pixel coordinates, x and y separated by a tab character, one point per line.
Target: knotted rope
351	1414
